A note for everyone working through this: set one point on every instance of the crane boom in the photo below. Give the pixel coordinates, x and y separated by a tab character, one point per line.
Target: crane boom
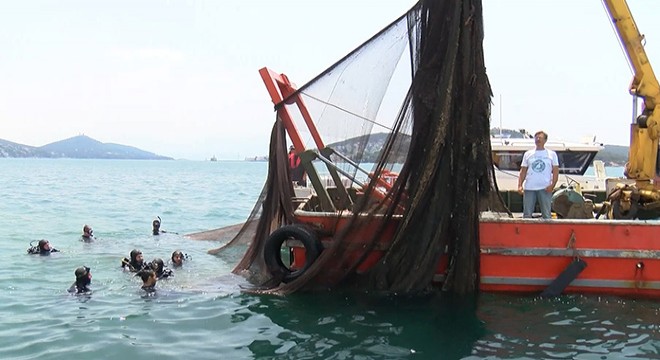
643	154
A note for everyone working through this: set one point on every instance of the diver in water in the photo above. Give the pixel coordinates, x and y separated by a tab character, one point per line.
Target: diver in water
155	227
83	279
88	234
42	248
149	280
159	268
178	257
135	263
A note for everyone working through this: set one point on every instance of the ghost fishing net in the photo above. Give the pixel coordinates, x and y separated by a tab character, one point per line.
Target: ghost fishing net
403	123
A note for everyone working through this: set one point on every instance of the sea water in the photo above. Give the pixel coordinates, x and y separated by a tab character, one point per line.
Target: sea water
201	313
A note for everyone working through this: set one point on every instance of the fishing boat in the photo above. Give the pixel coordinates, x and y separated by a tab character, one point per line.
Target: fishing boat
619	257
332	232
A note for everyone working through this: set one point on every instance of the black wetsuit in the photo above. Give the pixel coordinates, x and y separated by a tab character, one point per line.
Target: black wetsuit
133	266
164	273
79	289
81	284
35	250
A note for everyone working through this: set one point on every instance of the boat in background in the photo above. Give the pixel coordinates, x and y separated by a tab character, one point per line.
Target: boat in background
256	158
574	161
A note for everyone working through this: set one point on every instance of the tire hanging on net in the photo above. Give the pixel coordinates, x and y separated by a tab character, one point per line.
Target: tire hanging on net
273	255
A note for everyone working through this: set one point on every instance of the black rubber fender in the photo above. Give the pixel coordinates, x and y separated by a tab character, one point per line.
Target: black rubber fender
564	279
273	256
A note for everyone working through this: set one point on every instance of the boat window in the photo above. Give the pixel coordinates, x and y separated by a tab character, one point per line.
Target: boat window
575	162
508	160
570	162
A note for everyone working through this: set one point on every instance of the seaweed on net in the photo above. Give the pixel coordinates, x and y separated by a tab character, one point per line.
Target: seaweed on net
439	141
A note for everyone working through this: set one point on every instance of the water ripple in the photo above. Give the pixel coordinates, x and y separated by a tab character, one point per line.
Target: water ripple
201	312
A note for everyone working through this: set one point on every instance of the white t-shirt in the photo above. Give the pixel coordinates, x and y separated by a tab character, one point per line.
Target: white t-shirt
539	165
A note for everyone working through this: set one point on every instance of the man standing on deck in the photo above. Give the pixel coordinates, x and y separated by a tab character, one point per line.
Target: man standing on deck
540	171
296	168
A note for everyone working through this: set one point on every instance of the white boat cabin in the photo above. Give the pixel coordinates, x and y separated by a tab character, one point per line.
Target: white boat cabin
574	158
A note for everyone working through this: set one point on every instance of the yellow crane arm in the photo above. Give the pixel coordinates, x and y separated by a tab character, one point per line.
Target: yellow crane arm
644	131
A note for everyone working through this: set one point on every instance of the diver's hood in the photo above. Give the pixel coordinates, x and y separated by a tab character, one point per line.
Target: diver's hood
134	254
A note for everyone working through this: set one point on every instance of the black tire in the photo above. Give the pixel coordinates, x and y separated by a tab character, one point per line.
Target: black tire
273	256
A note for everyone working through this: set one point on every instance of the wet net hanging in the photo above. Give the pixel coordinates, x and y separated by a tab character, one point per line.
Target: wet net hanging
413	100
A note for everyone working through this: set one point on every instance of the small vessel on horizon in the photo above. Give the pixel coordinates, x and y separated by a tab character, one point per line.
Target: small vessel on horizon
213	158
256	158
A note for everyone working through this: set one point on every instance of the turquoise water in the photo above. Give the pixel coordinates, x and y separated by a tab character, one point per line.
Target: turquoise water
611	171
201	312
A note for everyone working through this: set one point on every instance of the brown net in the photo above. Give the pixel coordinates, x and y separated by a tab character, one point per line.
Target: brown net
380	235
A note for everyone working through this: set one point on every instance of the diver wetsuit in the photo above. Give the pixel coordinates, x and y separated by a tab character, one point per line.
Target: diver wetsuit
133	264
83	279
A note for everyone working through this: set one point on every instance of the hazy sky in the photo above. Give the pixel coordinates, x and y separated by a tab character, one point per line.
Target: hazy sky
180	78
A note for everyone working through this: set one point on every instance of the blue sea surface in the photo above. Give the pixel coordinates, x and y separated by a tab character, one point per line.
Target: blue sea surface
614	172
201	313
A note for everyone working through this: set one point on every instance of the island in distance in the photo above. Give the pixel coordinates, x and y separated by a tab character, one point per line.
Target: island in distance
77	147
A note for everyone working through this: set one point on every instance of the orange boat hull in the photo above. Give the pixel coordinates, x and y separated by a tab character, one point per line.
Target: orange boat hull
525	255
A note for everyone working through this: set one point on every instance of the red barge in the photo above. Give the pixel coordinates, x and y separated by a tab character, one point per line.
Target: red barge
617	255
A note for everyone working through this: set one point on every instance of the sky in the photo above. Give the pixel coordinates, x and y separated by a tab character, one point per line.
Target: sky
180	78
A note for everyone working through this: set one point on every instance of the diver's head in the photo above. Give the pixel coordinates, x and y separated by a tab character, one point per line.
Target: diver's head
83	275
177	258
148	277
136	256
156	224
44	245
87	231
157	265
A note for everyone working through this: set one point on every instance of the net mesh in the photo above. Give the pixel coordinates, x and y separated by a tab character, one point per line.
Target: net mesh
413	100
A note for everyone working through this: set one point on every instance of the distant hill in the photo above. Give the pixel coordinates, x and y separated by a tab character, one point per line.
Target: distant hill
77	147
12	149
372	149
613	155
